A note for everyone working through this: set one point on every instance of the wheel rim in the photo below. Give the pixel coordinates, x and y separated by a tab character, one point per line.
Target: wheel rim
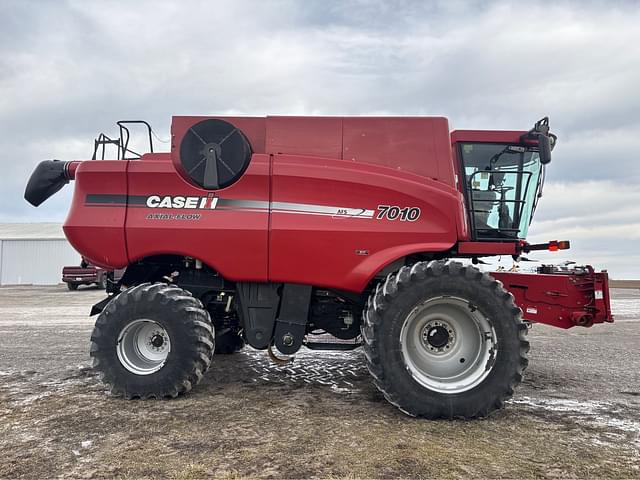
448	345
143	346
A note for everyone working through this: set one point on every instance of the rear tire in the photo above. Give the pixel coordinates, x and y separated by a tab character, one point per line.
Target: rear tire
152	341
72	286
102	283
443	340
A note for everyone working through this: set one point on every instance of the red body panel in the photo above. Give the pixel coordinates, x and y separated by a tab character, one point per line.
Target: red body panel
487	248
97	233
311	136
231	241
345	252
487	136
422	144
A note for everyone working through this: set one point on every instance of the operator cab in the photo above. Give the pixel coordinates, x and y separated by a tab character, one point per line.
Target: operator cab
502	180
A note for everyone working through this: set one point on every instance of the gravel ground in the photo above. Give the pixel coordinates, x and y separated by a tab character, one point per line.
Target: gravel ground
577	413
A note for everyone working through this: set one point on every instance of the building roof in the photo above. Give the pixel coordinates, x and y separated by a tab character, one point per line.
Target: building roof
31	231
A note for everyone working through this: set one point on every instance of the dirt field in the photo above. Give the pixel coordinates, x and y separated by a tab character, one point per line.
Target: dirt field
576	415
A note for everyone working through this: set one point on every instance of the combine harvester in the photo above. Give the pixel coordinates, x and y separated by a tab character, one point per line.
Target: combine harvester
269	230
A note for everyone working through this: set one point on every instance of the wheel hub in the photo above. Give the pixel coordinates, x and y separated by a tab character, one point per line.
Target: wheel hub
437	336
448	344
157	341
143	346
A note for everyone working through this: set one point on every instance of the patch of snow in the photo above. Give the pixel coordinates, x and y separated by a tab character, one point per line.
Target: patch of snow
338	389
624	425
561	405
29	399
597	414
625	309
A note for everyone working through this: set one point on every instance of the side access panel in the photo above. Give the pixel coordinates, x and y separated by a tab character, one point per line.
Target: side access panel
336	223
227	228
96	219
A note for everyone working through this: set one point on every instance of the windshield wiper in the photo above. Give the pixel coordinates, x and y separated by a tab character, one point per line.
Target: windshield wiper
507	149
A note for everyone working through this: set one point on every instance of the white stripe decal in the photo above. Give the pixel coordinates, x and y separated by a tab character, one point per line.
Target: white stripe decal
285	207
323	214
295	208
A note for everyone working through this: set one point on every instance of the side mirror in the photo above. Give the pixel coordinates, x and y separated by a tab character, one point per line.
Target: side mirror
544	146
546	140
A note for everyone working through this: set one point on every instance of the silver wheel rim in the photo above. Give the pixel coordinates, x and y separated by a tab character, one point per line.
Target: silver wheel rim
143	346
448	345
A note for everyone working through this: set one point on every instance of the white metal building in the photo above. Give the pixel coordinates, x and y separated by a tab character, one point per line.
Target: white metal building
34	253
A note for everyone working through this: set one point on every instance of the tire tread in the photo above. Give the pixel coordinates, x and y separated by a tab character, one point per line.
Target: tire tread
382	298
190	315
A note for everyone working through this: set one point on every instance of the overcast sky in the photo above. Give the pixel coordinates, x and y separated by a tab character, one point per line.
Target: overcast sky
69	70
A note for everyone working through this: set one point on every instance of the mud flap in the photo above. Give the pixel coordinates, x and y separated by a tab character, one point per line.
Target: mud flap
258	307
291	325
101	305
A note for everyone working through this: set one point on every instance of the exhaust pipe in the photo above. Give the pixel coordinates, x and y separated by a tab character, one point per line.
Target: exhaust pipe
48	178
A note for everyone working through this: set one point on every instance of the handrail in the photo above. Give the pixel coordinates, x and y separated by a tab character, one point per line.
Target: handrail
122	143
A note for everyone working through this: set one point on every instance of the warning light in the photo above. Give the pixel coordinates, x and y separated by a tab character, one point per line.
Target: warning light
552	246
555	245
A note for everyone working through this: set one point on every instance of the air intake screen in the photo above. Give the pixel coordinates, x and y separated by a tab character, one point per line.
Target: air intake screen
214	153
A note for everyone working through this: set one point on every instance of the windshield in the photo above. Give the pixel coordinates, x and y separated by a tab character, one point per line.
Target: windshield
501	185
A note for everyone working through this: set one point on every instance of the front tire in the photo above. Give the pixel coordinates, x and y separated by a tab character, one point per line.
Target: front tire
443	340
152	341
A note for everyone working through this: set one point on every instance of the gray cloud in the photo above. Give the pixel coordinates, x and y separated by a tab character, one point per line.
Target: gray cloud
70	69
602	220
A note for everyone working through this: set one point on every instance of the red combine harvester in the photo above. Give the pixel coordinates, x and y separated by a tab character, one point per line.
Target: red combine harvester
270	230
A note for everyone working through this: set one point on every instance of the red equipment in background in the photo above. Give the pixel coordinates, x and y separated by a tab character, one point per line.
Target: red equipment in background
84	274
